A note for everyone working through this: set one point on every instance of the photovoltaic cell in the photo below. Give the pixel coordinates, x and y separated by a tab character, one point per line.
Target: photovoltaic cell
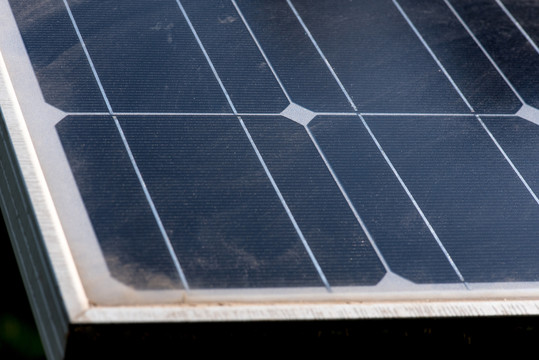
495	37
398	229
475	76
59	63
453	161
518	138
524	13
115	202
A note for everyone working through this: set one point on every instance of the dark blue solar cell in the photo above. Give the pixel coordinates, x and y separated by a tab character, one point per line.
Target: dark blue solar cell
223	216
480	209
293	56
505	44
526	13
58	59
378	58
399	231
147	57
127	232
320	209
483	87
242	68
519	139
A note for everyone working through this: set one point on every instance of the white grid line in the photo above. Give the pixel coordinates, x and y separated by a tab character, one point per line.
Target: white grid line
437	114
279	114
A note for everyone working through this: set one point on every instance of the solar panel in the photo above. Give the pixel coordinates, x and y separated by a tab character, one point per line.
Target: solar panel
193	161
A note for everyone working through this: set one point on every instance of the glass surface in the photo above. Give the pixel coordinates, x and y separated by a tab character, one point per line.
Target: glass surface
298	144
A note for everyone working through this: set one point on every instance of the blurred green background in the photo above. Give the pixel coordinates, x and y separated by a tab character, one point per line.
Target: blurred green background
19	338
